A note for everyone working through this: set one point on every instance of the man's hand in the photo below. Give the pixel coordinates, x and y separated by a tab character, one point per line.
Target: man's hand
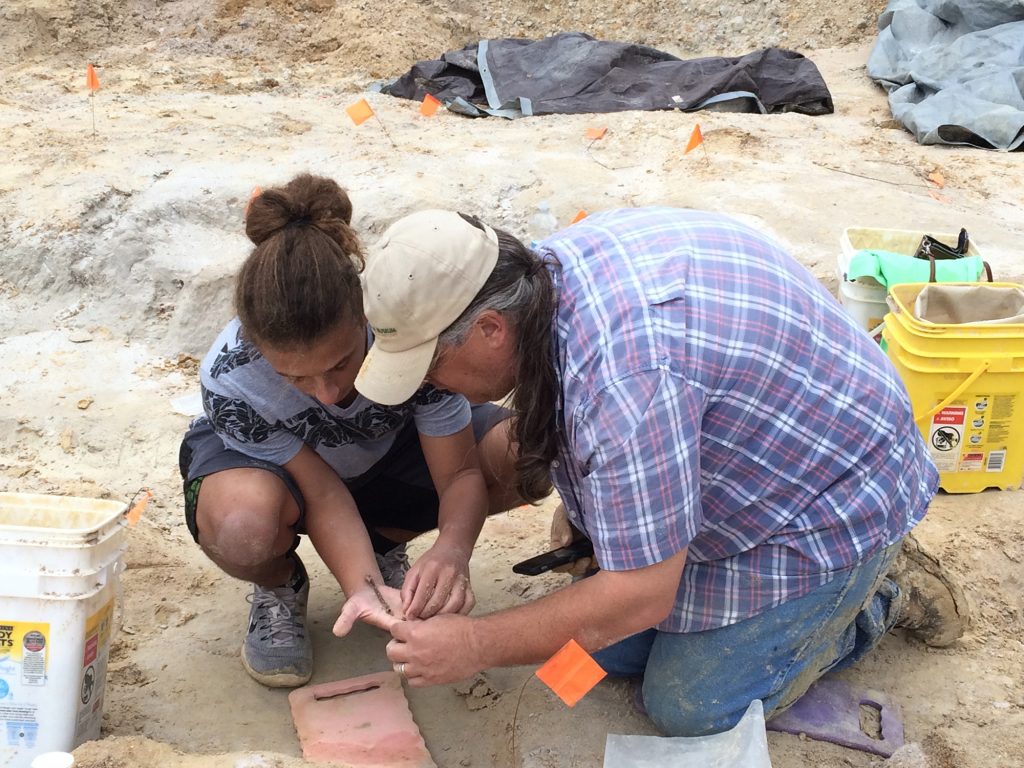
364	605
439	650
562	535
438	583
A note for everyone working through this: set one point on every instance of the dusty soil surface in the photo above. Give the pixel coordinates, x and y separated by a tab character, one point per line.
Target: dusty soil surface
117	250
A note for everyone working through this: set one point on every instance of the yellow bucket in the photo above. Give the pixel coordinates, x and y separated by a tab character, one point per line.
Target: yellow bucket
966	385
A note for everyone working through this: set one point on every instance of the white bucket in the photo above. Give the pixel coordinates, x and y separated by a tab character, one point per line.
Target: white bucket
60	558
905	241
865	303
864	298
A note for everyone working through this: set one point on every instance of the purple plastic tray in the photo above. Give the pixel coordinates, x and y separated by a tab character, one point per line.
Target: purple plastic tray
830	711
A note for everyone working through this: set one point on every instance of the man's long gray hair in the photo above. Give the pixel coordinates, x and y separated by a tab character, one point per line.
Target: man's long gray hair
521	288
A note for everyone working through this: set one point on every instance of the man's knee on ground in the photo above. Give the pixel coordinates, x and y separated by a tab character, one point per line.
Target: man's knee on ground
678	714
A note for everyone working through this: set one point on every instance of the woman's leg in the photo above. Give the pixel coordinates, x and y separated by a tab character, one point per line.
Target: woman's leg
246	515
497	453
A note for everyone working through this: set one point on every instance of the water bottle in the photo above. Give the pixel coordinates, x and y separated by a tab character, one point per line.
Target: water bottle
542	223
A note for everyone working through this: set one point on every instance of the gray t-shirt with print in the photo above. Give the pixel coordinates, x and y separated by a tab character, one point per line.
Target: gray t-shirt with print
256	411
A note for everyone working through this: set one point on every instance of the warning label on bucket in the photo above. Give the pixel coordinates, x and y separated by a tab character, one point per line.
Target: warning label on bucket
945	436
972	434
24	646
94	672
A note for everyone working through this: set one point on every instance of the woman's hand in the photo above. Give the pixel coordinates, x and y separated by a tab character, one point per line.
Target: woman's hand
438	583
365	605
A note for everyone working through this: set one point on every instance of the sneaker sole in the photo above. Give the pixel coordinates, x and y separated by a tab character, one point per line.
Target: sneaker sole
275	679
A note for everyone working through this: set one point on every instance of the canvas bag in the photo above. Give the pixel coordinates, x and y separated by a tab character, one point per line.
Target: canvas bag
977	304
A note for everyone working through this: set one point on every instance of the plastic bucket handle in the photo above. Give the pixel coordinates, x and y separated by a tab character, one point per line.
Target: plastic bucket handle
955	393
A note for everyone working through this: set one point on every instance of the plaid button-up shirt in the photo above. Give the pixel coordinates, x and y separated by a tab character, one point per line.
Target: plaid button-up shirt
714	395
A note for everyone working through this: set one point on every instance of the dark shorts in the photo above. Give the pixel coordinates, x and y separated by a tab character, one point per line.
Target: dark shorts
397	492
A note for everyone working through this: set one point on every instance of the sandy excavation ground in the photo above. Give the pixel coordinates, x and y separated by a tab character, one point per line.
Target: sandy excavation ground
116	256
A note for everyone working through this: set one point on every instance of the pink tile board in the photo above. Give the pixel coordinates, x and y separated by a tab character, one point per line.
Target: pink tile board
362	722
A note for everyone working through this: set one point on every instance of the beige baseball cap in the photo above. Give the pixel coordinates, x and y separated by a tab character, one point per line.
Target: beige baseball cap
421	275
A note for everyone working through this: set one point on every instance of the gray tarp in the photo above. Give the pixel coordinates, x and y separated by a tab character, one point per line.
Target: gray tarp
954	70
572	73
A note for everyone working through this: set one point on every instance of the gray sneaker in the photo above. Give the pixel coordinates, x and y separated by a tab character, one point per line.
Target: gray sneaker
393	566
277	651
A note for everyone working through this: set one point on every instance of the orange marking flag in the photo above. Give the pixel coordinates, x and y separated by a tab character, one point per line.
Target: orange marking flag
256	192
360	112
91	79
696	139
571	673
593	134
580	216
429	105
133	514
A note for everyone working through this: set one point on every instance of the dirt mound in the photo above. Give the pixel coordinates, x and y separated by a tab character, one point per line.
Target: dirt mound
384	39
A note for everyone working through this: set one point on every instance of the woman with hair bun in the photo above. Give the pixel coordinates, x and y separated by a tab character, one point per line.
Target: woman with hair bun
287	446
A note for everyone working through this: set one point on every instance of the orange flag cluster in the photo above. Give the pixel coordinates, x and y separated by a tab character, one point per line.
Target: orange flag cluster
361	111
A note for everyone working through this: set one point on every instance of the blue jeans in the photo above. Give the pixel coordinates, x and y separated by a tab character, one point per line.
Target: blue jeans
699	683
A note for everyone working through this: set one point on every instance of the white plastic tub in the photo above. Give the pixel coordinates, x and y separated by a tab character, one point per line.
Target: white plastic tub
865	304
60	558
864	298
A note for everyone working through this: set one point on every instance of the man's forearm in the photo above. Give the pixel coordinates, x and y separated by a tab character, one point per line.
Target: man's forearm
596	612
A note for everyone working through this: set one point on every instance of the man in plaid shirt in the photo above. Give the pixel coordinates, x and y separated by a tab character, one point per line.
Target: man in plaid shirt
743	457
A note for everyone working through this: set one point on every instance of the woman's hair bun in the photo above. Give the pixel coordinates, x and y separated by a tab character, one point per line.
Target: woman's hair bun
305	201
